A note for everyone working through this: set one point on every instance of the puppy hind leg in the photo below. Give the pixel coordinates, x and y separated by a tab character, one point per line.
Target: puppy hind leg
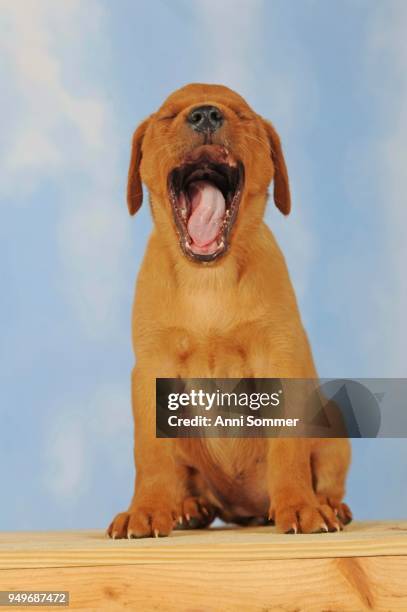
198	511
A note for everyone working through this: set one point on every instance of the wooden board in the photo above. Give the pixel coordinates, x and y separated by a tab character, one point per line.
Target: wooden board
79	548
362	568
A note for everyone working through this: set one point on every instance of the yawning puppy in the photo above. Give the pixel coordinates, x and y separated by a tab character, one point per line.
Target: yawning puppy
205	193
214	299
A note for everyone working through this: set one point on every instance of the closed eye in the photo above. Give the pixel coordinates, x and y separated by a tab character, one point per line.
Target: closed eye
244	116
167	117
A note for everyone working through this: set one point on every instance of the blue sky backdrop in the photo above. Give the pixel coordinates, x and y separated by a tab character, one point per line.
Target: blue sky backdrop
77	76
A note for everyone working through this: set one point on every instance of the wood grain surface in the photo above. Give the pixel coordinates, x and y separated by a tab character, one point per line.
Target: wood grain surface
362	568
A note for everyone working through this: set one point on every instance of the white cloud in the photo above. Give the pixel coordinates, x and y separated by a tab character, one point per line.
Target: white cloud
66	469
228	50
82	433
44	105
60	128
387	64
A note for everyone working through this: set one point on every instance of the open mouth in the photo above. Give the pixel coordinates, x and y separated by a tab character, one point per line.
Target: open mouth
205	193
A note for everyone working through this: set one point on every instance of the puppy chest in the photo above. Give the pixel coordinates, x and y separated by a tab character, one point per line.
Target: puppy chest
202	311
211	353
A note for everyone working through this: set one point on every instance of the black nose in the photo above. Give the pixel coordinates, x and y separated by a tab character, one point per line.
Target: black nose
205	118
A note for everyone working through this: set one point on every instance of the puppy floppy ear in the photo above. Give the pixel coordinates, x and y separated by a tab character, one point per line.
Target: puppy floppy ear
134	187
281	193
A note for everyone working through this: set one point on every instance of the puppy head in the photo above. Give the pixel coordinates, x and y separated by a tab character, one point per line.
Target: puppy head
205	155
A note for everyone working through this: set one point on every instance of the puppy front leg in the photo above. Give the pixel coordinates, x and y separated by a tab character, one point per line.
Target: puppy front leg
159	480
294	507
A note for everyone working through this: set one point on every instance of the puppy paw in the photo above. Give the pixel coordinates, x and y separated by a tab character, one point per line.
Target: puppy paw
142	522
197	513
344	513
341	510
305	518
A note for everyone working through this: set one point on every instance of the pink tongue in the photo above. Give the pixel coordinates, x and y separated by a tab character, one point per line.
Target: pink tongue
207	212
